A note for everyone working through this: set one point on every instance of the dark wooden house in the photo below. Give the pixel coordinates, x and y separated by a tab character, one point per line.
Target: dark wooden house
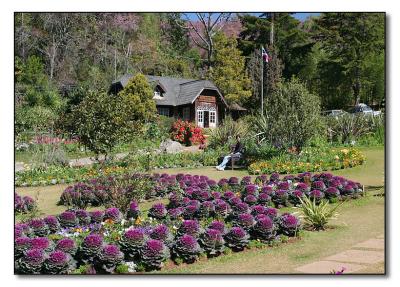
197	101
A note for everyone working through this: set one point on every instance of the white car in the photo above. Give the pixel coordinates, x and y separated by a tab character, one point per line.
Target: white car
366	110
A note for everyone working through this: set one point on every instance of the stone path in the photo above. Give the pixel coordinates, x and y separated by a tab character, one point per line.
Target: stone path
360	256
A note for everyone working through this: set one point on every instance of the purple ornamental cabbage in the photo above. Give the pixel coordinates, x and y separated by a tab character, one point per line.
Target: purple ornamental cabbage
228	195
153	254
250	199
90	248
158	211
187	248
280	197
175	213
221	208
288	224
132	241
190	212
109	257
162	232
222	182
274	177
264	198
97	216
240	208
113	214
237	238
258	209
216	195
133	211
52	223
21	244
271	212
212	242
67	245
233	180
316	195
83	216
267	189
332	192
29	203
58	262
42	243
245	180
302	187
39	227
295	196
206	209
251	189
190	227
31	262
218	225
245	220
283	185
261	179
68	219
319	184
235	201
264	229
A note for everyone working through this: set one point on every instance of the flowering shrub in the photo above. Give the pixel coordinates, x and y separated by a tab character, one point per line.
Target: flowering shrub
187	248
187	133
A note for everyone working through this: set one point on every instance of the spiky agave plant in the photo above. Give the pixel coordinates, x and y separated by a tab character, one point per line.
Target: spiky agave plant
316	215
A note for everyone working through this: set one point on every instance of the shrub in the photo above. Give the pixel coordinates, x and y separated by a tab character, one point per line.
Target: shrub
288	224
109	257
237	238
212	242
317	216
153	254
225	134
292	116
186	248
187	133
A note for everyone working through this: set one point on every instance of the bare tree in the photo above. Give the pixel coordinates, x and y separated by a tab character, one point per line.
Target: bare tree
204	29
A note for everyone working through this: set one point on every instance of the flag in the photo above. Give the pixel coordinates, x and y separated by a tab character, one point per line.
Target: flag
265	55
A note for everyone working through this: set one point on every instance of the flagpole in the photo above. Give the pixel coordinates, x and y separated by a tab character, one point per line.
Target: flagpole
262	83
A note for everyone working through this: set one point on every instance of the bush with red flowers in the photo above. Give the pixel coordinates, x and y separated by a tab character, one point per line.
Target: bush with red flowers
187	133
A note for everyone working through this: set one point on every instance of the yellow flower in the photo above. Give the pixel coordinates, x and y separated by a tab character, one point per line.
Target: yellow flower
138	221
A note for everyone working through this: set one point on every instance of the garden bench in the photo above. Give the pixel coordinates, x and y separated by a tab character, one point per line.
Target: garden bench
236	160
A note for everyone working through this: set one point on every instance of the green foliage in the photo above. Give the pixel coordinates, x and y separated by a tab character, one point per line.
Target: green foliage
38	119
348	128
292	116
225	134
99	122
228	70
34	87
137	101
315	215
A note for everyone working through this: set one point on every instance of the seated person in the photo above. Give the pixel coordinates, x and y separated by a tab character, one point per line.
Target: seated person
237	151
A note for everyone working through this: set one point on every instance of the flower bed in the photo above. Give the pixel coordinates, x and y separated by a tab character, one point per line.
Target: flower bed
139	163
266	191
202	218
310	160
187	133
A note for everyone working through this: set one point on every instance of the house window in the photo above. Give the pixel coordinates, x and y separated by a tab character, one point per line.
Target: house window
164	111
157	94
212	117
200	118
186	113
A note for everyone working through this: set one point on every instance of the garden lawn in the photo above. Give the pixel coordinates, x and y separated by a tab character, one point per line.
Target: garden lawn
359	220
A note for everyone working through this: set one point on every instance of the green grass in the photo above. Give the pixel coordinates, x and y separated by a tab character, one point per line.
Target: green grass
358	220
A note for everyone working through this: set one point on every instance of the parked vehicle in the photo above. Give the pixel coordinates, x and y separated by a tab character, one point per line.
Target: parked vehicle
334	113
364	109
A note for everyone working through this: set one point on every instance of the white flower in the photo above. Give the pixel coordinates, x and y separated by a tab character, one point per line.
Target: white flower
131	266
123	221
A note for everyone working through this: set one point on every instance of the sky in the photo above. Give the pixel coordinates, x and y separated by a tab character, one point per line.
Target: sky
300	16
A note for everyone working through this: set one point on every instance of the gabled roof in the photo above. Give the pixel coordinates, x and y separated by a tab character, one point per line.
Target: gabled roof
178	91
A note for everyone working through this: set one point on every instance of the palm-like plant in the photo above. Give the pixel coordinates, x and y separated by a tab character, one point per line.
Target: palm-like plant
316	215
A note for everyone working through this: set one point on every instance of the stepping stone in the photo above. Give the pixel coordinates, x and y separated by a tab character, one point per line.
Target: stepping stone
372	244
326	267
358	256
